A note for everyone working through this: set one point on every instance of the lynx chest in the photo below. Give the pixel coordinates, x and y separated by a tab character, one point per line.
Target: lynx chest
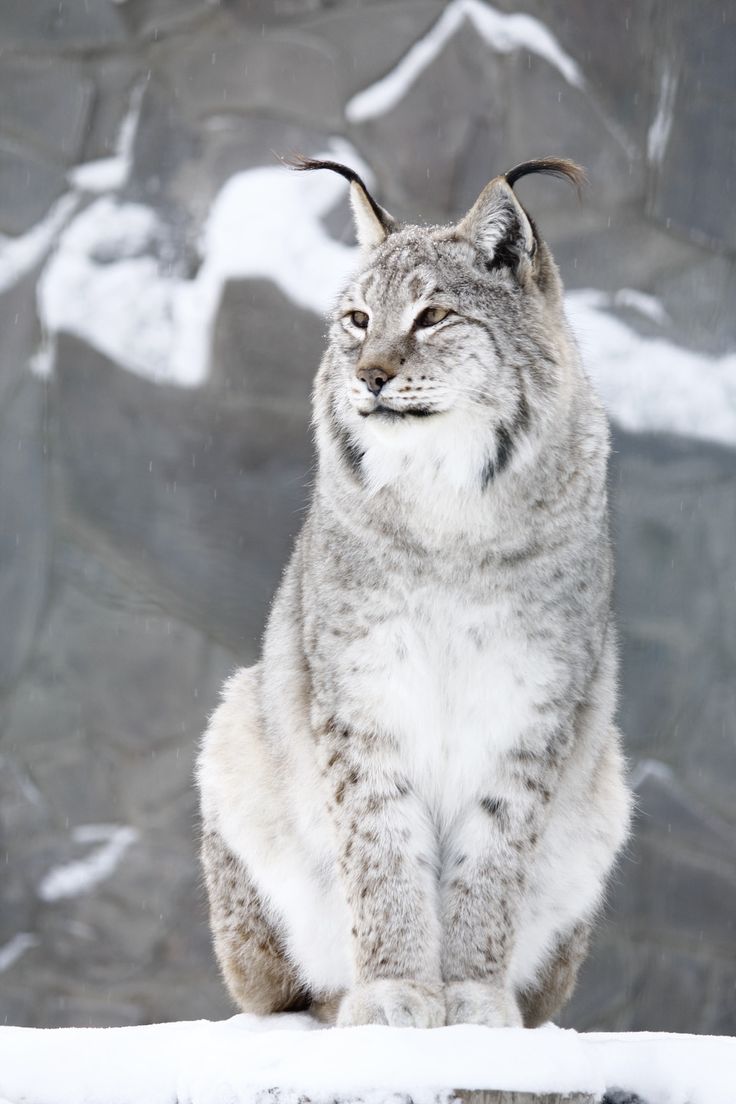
455	685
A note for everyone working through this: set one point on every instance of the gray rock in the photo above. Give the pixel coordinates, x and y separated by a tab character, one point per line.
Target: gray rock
115	76
264	348
546	113
201	493
678	884
47	102
228	145
607	979
130	689
622	250
226	68
29	184
73	23
699	299
695	184
154	19
675	515
17	1005
658	960
163	144
614	45
368	40
23	817
20	331
264	13
724	1001
648	987
163	688
695	192
82	1007
474	113
24	534
454	110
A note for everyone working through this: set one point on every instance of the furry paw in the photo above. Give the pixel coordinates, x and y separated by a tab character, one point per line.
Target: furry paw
397	1003
481	1002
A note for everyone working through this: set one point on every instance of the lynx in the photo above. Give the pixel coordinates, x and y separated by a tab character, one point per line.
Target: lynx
412	803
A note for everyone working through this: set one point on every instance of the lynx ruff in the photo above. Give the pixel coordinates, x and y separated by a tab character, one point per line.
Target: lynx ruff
412	802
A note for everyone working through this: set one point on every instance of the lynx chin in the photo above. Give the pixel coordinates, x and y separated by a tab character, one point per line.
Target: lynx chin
411	804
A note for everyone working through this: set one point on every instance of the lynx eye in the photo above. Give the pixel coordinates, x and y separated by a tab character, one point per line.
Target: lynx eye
430	316
359	319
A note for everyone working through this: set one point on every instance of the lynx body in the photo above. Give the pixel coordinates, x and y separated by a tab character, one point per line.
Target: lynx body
412	802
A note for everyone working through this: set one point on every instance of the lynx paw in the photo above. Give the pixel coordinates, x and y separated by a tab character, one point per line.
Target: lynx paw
481	1002
397	1003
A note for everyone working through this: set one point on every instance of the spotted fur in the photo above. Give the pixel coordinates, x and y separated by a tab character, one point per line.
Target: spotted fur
420	785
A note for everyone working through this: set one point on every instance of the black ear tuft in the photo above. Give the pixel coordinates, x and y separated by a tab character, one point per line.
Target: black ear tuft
552	166
301	163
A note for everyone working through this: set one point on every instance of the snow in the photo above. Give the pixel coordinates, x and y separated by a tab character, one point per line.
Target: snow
659	131
649	383
239	1060
266	223
19	255
651	768
502	32
15	948
72	879
103	284
106	284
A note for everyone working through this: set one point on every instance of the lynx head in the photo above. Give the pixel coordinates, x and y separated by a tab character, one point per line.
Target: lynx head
448	343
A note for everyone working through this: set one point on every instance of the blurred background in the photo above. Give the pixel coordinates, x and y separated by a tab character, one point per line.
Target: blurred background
162	288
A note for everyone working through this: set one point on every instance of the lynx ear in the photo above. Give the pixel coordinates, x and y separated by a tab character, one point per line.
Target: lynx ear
372	223
498	224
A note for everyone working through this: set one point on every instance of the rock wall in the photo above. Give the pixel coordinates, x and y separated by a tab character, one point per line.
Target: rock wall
145	524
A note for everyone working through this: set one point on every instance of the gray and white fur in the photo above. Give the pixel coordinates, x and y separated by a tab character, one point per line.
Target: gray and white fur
412	802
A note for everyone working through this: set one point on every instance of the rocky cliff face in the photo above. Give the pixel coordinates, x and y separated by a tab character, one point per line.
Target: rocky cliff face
161	283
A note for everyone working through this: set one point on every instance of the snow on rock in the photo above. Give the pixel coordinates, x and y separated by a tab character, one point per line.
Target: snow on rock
240	1061
15	948
109	173
106	283
501	31
648	306
661	126
19	255
649	383
71	879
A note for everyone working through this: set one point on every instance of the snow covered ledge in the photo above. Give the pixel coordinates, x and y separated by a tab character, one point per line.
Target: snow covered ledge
291	1059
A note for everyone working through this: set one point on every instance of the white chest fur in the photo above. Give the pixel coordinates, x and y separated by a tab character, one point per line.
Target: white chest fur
456	685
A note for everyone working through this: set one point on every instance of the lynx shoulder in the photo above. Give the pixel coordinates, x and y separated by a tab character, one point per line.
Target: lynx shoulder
412	803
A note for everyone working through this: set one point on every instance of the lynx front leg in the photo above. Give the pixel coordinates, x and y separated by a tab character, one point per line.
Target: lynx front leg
387	855
483	888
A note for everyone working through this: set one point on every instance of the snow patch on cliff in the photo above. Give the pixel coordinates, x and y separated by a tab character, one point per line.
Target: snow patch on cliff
502	32
73	878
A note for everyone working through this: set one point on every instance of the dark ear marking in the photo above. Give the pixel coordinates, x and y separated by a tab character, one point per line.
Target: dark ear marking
551	166
505	255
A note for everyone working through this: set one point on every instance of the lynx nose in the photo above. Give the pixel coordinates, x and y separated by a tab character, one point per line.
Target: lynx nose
374	376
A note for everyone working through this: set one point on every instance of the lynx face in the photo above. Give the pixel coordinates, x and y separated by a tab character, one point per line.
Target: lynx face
427	329
445	347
